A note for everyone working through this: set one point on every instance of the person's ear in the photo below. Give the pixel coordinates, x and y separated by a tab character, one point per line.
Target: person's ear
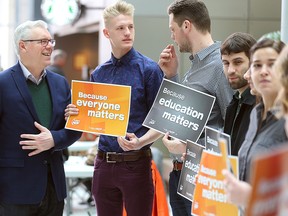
22	45
106	33
186	24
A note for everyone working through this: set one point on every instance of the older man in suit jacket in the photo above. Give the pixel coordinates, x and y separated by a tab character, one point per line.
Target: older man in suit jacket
32	133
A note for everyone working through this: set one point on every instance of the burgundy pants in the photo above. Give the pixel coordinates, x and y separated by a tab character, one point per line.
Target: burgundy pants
128	183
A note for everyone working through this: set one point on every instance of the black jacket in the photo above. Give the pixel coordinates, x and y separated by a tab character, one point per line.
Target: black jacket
236	124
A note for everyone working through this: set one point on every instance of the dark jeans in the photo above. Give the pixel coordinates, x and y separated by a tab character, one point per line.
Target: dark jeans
128	183
180	206
49	206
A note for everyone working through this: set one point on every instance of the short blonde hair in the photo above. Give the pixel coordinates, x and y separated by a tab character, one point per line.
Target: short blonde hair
120	7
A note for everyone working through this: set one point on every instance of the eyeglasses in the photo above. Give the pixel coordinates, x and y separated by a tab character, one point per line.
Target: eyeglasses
44	42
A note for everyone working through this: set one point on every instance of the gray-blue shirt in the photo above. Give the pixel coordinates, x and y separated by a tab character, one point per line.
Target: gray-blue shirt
206	75
262	136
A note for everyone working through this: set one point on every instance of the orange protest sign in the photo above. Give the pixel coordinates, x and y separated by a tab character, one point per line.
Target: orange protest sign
269	184
103	108
209	195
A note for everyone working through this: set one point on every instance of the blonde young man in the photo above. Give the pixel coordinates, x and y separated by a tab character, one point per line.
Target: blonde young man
128	181
122	175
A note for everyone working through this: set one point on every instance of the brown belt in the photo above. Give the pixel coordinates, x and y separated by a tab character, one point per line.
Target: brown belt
113	157
177	166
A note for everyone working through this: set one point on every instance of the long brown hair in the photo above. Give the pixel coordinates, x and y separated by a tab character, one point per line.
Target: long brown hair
281	67
266	42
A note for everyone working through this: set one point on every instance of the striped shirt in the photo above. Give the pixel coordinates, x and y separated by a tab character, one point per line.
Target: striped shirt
206	75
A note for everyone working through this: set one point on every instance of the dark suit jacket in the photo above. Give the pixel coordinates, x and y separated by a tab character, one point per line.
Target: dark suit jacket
23	179
240	121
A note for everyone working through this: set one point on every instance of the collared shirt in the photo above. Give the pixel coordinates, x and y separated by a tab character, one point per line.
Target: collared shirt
30	76
206	75
144	76
262	136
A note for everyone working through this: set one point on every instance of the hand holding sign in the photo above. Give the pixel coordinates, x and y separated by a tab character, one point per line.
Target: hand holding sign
209	193
103	108
238	192
179	110
71	110
174	146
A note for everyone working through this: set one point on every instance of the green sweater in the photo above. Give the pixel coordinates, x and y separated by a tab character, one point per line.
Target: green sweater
42	101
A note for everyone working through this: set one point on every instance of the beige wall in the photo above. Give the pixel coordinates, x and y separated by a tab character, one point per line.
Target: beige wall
256	17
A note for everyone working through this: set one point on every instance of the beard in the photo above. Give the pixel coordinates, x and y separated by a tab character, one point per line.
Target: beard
185	47
237	85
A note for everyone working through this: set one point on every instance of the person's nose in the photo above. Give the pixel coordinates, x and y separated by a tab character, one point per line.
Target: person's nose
127	31
51	43
265	69
231	69
172	36
247	75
